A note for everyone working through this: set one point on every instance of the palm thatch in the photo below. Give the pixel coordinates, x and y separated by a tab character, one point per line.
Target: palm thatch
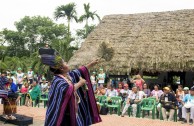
153	42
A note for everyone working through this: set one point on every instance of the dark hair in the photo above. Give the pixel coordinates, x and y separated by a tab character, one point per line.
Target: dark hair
35	80
157	86
55	71
180	85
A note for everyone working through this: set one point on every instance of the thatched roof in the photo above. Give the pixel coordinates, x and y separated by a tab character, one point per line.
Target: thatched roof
159	41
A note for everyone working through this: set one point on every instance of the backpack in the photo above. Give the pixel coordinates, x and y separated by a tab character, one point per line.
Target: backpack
104	110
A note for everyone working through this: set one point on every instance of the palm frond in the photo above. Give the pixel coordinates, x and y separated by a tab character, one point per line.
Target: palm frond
105	51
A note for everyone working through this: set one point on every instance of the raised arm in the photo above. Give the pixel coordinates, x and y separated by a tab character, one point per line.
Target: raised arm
93	63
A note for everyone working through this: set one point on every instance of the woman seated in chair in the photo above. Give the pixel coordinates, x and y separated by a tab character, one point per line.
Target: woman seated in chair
100	91
23	91
33	93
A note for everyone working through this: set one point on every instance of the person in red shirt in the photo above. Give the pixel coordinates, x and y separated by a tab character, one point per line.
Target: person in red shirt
24	91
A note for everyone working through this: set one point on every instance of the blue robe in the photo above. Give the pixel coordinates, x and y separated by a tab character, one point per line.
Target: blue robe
62	113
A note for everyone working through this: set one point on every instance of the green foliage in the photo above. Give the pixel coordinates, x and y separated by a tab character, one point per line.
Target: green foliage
88	14
66	11
82	32
31	33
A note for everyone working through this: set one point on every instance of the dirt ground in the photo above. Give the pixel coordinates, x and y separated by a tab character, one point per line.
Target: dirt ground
38	115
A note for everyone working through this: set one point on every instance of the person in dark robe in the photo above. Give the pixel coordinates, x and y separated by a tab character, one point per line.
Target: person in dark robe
71	98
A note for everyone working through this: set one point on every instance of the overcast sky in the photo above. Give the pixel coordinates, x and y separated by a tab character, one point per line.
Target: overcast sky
14	10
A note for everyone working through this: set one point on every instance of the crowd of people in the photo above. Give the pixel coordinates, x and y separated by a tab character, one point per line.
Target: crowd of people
28	85
167	100
181	100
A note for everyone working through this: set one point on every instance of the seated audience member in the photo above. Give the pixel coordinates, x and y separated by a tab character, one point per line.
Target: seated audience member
33	93
120	87
13	86
49	85
186	91
179	95
124	93
146	90
171	90
132	100
188	99
111	92
168	103
23	90
44	86
156	92
141	93
100	91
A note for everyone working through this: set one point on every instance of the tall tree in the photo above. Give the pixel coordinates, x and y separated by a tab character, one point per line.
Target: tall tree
82	34
88	14
66	11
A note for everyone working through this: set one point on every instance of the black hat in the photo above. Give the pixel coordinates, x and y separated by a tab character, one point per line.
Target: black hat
192	88
50	57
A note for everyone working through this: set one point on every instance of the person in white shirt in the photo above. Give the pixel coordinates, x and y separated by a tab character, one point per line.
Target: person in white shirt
124	93
93	80
30	75
19	78
111	92
141	93
132	100
44	86
101	77
13	77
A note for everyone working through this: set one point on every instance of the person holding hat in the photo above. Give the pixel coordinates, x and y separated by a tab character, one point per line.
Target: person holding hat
93	80
19	78
168	103
30	75
71	100
188	99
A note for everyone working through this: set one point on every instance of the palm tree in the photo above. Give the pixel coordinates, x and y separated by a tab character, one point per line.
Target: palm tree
88	14
66	11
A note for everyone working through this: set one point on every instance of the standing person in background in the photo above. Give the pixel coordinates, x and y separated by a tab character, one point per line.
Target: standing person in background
19	78
3	81
30	75
93	80
138	81
101	77
44	86
13	73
